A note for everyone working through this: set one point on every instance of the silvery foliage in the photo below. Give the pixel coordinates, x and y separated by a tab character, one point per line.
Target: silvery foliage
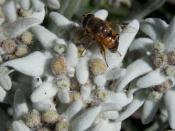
132	86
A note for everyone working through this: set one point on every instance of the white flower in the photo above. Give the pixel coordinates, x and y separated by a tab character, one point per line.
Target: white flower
158	80
84	100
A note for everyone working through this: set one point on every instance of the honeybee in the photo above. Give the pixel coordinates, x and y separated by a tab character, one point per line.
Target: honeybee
102	32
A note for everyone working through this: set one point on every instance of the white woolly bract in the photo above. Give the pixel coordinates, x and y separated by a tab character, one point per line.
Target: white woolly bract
59	19
133	72
72	55
31	65
54	4
102	14
25	4
85	120
100	80
10	15
45	91
120	98
16	28
64	95
19	126
2	94
85	91
5	81
44	36
150	108
141	44
169	98
44	105
73	109
82	72
151	79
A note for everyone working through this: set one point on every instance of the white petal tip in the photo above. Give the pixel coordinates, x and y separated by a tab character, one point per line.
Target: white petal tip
102	14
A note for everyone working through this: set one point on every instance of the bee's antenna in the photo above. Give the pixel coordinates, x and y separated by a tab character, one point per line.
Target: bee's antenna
86	49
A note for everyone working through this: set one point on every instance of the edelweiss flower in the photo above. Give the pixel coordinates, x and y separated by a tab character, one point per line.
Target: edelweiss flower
59	71
156	72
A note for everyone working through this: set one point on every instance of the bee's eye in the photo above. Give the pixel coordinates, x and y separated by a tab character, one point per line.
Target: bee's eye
108	32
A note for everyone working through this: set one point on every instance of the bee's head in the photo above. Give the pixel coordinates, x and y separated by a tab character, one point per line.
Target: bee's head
85	18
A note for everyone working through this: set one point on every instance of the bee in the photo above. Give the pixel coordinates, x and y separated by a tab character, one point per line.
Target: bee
101	32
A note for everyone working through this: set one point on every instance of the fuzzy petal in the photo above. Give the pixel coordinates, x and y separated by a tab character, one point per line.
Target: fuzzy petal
141	44
45	36
110	107
53	4
169	99
169	36
19	126
150	108
59	19
137	102
25	4
45	91
73	109
16	28
100	81
154	28
120	98
32	65
37	5
133	72
72	55
102	14
151	79
64	95
85	92
127	36
44	105
112	115
40	15
9	11
115	73
5	81
3	94
85	120
82	72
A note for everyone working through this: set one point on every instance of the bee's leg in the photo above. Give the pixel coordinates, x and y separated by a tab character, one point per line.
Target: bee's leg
103	52
117	35
86	48
88	44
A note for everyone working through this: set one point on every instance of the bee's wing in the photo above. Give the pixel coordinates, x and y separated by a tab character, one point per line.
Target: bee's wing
102	14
